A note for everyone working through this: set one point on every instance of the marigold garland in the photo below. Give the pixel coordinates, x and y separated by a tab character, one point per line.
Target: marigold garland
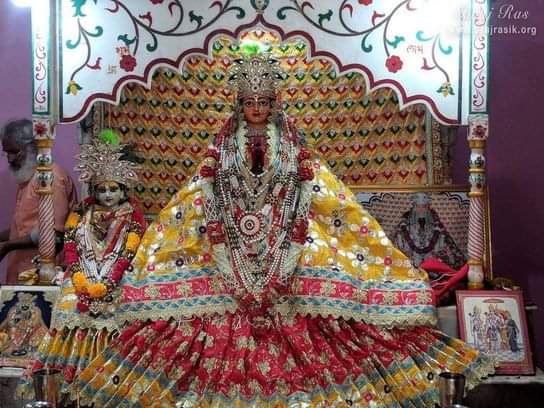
92	292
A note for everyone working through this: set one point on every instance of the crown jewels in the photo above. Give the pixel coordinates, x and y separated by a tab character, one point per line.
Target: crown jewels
256	75
101	162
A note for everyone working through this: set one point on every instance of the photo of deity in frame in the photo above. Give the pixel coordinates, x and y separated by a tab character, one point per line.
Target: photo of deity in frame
494	322
25	316
428	222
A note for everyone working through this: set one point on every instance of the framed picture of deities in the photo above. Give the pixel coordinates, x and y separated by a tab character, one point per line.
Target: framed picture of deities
25	315
493	321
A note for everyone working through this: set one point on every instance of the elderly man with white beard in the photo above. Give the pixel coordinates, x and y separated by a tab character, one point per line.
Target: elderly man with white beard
20	240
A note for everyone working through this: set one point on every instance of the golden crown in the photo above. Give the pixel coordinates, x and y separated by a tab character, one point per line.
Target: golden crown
256	75
101	162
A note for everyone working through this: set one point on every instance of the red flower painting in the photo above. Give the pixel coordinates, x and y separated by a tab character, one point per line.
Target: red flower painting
394	63
128	63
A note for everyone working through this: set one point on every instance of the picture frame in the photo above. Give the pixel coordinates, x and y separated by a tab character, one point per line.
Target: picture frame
393	207
494	322
25	317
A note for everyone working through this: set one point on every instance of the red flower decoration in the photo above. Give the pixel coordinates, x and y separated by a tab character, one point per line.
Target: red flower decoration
304	154
82	307
479	131
305	173
394	63
387	261
128	63
365	2
40	129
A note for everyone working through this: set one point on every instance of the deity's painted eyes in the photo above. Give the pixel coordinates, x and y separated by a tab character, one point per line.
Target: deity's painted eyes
103	189
260	102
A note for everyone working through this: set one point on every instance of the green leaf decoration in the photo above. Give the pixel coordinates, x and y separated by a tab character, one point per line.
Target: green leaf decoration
395	158
420	35
325	16
445	50
252	48
78	4
126	40
300	76
364	46
284	48
170	104
398	39
203	135
316	75
300	46
169	74
108	136
364	132
193	17
217	46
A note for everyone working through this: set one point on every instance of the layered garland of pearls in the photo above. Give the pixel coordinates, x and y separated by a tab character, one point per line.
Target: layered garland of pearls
257	223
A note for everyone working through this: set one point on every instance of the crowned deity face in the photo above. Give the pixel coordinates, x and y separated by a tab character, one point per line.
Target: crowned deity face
256	110
422	203
109	194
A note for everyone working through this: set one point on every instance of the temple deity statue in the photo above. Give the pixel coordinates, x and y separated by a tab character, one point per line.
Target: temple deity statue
265	283
102	235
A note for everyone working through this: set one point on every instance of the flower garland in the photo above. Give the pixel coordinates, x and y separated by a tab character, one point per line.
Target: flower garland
93	292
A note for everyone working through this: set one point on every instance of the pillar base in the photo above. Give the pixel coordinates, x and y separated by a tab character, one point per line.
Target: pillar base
475	285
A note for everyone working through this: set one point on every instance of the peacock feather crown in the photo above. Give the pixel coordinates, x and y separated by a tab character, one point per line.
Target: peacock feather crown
100	162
